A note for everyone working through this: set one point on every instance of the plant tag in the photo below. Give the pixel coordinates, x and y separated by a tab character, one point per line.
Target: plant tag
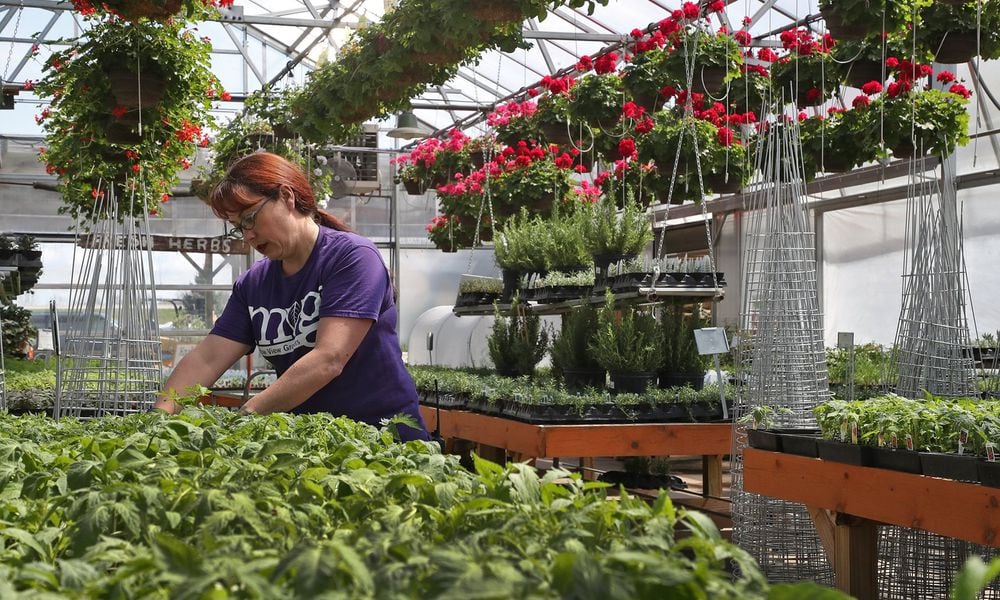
894	442
547	399
518	397
909	442
854	432
963	438
487	391
753	424
991	454
881	440
843	432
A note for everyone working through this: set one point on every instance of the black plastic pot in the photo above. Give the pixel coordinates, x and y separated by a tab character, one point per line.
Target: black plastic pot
851	454
511	283
949	466
989	473
800	443
764	439
669	380
577	380
906	461
633	383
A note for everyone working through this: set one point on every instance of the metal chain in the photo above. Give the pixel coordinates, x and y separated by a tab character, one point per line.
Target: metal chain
10	53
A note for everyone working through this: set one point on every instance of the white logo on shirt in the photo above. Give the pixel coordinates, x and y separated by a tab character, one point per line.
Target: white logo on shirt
283	330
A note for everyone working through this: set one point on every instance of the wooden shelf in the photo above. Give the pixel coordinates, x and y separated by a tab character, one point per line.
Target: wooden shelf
955	509
653	294
527	441
848	502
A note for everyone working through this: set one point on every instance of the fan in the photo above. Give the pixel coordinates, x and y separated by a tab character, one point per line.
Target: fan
344	175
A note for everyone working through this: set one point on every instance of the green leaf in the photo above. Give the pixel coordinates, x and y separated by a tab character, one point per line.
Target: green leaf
178	555
27	540
806	590
973	578
280	446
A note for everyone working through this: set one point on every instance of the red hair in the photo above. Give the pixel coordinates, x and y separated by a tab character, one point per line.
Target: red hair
263	174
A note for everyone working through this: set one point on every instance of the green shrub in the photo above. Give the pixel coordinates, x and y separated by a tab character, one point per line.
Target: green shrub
680	352
518	342
571	350
630	344
17	329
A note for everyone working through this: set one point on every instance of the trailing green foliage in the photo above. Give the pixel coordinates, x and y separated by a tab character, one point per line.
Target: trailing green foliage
213	504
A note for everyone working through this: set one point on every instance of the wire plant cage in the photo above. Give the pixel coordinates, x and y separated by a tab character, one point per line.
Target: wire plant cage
3	373
932	341
781	361
109	357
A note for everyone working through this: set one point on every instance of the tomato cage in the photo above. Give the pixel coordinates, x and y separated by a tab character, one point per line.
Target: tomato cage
108	338
780	353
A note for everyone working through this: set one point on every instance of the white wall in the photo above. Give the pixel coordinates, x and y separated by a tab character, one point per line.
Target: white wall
863	262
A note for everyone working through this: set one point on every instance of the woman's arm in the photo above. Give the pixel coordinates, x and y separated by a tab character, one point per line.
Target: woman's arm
202	366
336	341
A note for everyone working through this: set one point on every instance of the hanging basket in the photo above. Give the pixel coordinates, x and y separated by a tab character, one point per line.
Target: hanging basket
708	80
862	71
556	133
135	91
415	187
134	10
958	47
489	12
718	183
843	30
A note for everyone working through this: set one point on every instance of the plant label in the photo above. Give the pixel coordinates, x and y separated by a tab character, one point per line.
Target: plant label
963	438
881	440
854	432
843	432
991	454
894	442
909	442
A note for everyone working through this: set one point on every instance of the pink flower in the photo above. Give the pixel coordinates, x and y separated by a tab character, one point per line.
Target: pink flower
961	90
690	10
945	77
742	37
29	85
892	62
626	147
872	87
861	102
717	6
585	63
725	136
606	63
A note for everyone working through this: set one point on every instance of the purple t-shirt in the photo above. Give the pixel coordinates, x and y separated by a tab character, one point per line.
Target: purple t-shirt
343	277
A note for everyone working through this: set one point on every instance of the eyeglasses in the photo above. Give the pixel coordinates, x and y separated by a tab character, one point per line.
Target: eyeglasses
248	221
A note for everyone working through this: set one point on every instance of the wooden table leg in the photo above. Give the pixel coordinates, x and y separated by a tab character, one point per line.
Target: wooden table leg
851	545
491	453
587	468
711	475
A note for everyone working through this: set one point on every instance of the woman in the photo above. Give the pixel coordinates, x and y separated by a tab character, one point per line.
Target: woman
319	306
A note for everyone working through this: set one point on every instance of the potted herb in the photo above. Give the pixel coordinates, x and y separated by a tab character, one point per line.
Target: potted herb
521	250
612	236
558	286
566	247
628	344
9	257
571	355
517	342
927	121
477	291
680	363
30	262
